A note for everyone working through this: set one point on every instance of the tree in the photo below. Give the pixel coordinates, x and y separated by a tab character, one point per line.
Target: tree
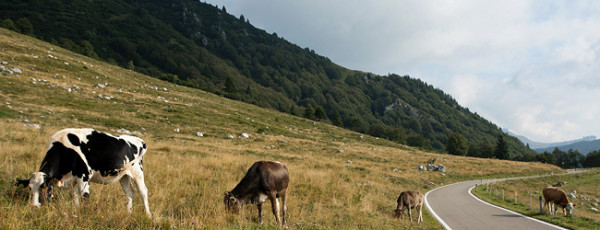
130	65
88	49
457	144
320	113
357	125
501	150
230	86
8	24
417	141
337	120
309	112
24	26
592	159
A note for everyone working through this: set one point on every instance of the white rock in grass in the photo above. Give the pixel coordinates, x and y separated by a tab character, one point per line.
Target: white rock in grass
199	134
229	136
124	131
245	135
37	126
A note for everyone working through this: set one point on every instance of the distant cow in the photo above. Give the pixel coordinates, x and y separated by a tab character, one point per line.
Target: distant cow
265	179
554	196
84	155
559	184
409	200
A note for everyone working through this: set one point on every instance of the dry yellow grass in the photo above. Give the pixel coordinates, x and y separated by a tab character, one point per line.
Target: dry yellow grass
187	175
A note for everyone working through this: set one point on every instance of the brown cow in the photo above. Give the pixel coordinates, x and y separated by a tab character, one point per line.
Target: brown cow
560	184
554	196
265	179
410	200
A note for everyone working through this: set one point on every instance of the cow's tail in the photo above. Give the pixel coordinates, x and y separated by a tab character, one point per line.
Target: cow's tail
130	164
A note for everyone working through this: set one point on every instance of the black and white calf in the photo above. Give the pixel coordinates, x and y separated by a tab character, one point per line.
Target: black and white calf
86	155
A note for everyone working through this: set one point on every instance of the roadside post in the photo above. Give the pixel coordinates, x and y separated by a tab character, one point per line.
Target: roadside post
541	207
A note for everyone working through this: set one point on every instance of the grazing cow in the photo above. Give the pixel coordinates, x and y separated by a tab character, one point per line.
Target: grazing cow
559	184
84	155
554	196
265	179
409	200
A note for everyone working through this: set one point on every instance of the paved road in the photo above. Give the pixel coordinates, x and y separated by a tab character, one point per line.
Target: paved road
455	208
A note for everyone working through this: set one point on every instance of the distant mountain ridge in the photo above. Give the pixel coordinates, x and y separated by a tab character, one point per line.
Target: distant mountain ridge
584	145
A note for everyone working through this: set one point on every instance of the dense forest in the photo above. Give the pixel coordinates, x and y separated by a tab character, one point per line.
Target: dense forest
200	45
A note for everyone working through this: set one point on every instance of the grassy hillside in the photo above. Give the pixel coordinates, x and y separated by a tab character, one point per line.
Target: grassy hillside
528	191
187	175
199	45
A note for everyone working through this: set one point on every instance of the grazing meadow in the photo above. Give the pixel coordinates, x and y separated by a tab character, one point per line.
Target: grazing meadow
339	179
583	184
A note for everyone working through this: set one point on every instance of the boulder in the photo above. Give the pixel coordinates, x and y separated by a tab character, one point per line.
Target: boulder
441	168
431	167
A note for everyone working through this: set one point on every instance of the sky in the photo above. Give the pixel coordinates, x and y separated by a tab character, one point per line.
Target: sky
532	67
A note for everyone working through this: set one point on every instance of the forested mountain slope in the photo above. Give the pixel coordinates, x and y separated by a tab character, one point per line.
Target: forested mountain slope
199	45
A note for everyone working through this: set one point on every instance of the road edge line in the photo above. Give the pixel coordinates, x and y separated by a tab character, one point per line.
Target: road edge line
433	212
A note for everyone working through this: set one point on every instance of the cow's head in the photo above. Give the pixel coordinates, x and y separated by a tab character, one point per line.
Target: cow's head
398	213
39	181
232	204
569	208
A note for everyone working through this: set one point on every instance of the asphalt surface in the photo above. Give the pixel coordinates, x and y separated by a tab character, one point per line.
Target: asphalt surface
455	208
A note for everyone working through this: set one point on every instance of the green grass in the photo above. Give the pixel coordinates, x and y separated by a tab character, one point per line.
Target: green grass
528	192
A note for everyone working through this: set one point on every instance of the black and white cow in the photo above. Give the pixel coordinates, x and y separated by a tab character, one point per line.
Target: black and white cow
86	155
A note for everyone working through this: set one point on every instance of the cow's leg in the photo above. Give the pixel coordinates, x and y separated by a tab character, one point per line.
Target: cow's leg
259	206
128	190
284	208
82	188
420	219
409	211
138	177
275	207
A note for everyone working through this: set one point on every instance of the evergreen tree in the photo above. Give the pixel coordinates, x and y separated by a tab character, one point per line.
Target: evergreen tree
457	144
592	159
501	150
320	113
309	112
337	120
230	86
130	65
